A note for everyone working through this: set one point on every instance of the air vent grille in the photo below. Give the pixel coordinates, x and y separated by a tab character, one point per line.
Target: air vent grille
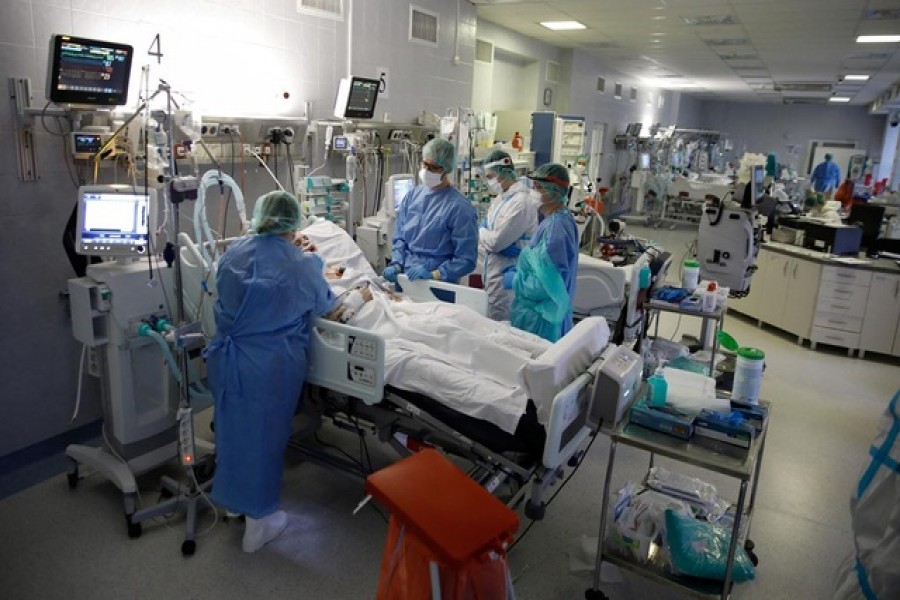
423	26
332	9
484	51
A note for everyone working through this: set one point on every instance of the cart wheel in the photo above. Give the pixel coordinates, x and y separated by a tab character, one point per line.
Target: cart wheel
188	547
595	595
749	546
753	558
72	478
134	529
535	510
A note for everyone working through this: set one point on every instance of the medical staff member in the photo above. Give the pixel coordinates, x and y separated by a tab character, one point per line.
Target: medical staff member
436	233
269	292
826	177
558	234
511	219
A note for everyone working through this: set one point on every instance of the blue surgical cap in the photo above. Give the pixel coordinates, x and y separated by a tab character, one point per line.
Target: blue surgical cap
554	178
440	152
500	164
275	213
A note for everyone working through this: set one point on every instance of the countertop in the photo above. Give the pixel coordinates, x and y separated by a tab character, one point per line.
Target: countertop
882	265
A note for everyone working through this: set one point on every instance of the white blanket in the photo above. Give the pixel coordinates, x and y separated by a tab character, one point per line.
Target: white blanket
448	352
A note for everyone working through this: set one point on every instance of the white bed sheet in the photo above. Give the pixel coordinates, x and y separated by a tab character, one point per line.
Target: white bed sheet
468	362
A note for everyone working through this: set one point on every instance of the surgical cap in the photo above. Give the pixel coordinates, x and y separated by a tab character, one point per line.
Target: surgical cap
828	157
440	152
275	213
500	164
554	178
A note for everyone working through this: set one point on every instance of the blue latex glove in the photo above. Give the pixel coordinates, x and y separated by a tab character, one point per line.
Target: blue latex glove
511	251
390	273
509	275
483	223
418	272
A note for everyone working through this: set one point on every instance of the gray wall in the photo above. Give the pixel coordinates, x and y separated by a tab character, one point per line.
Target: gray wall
248	54
778	128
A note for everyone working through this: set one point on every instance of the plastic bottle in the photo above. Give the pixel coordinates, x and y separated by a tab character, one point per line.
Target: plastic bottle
748	374
644	277
517	142
709	298
690	275
658	388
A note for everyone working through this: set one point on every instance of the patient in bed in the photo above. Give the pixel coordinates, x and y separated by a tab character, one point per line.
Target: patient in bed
431	345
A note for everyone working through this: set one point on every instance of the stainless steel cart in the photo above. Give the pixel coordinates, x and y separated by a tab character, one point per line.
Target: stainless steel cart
744	468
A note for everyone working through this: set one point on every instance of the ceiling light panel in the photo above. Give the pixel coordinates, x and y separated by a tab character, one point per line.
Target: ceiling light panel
563	25
839	99
878	39
856	77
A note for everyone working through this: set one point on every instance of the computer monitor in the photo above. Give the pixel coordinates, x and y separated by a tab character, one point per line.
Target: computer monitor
356	98
88	72
867	217
114	220
395	191
754	189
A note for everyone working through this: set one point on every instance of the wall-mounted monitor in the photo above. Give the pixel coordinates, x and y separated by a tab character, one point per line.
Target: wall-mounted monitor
114	220
396	189
88	72
356	98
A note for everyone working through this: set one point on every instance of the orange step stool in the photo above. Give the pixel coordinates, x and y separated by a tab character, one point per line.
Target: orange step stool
447	537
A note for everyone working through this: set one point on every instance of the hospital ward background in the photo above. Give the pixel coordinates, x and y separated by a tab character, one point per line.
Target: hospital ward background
679	378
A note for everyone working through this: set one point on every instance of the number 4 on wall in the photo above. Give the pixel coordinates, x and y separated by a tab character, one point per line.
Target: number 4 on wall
155	49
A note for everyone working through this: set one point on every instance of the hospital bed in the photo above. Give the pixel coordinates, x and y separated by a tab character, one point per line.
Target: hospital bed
348	384
613	292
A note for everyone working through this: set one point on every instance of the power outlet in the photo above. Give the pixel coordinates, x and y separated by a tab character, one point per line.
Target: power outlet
266	150
398	135
210	129
229	129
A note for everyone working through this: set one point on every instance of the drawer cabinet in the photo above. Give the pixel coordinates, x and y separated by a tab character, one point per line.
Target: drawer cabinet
882	315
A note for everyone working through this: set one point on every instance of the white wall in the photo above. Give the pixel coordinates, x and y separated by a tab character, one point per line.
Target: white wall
232	56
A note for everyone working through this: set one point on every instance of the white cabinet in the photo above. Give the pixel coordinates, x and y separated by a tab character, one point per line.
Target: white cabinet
896	351
788	294
841	307
882	315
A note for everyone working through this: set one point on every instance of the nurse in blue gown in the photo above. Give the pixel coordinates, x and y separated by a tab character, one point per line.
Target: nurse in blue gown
269	291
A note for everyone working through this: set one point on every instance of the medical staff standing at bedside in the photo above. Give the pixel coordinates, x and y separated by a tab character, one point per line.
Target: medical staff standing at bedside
544	277
511	219
269	293
436	234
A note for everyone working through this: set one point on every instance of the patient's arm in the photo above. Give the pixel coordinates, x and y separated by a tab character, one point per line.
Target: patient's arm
351	304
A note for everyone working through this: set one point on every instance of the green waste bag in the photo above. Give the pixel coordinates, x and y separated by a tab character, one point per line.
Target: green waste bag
542	300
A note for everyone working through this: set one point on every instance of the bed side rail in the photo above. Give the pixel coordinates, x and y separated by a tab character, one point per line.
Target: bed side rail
425	290
569	424
347	359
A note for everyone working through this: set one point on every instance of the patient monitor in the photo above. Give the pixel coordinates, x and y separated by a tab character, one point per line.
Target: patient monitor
374	235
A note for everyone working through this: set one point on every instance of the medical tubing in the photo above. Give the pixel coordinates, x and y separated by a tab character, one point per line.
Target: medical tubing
167	352
269	171
78	389
201	222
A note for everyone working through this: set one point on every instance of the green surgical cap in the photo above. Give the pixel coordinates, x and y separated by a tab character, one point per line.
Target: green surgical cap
554	178
275	213
504	169
440	152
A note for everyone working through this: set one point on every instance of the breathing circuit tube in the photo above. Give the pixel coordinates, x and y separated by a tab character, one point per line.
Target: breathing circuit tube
201	222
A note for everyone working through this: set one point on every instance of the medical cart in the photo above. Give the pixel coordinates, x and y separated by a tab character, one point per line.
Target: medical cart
715	318
745	468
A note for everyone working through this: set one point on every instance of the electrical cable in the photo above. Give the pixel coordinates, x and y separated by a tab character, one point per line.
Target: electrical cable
78	388
59	133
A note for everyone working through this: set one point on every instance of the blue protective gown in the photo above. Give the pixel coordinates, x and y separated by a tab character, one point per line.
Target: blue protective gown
560	233
269	291
437	229
826	176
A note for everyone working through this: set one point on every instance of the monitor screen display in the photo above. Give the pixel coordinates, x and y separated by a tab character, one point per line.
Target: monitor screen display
114	220
396	189
361	98
89	72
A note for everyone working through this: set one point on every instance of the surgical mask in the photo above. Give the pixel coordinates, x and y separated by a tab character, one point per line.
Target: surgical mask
429	179
494	186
